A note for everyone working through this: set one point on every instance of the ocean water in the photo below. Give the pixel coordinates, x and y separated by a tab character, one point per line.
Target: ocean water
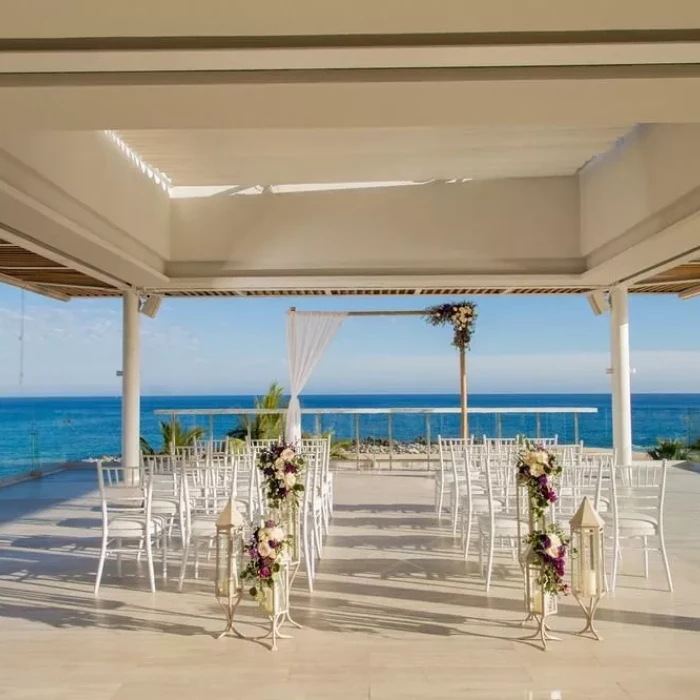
39	431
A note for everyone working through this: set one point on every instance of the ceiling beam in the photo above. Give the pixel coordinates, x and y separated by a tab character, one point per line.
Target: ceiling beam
36	288
393	99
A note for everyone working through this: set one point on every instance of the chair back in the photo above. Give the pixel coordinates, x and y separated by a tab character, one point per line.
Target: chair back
207	485
581	478
639	488
124	490
452	453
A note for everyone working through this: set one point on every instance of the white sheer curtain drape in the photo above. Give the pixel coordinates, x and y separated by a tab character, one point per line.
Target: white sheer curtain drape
308	334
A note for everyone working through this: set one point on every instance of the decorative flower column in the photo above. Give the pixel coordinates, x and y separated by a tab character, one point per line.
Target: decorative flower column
544	560
282	470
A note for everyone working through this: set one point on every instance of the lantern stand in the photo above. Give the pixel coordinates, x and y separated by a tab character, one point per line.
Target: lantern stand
229	529
588	580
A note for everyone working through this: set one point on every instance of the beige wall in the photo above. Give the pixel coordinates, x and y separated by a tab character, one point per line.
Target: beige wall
89	169
505	225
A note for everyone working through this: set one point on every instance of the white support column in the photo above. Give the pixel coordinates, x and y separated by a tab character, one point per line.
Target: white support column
621	392
131	381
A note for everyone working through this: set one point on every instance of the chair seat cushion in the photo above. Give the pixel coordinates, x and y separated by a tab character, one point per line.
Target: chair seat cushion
504	526
639	524
127	526
480	504
164	506
203	526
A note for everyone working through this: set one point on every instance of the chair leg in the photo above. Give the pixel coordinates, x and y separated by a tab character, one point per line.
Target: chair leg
616	564
318	539
101	565
183	534
308	558
119	557
467	538
140	552
646	557
165	556
666	564
489	561
183	565
455	512
149	560
196	560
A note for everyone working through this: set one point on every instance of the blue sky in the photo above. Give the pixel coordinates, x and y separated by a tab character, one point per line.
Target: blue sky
237	346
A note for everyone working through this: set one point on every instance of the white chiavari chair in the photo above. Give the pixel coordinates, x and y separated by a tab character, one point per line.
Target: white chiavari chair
167	500
475	500
498	529
444	479
207	488
638	492
311	514
325	482
126	497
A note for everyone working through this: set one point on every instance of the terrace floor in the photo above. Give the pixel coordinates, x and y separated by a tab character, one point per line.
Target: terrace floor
396	613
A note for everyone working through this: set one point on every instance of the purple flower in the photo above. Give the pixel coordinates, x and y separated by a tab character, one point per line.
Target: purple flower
264	572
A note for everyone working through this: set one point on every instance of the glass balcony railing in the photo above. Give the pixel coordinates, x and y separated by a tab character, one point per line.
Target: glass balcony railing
40	434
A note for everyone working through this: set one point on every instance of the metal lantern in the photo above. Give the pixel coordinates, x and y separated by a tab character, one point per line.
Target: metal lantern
588	582
229	526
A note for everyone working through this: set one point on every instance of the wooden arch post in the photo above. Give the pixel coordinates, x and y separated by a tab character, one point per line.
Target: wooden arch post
464	423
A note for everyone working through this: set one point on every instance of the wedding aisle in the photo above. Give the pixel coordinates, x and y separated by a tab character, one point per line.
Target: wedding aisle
395	614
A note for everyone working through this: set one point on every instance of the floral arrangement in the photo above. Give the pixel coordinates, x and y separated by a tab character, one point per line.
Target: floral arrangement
281	468
549	547
264	550
461	317
536	467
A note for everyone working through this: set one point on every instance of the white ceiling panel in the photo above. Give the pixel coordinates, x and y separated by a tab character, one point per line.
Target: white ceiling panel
291	156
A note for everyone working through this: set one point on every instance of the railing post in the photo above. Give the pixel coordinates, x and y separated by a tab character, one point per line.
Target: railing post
576	429
538	428
357	439
391	440
427	437
211	432
499	426
318	425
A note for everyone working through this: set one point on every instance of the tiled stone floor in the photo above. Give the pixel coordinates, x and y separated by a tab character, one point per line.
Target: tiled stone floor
396	614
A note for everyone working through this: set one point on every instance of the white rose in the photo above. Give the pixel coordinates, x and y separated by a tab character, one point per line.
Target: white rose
277	534
287	454
536	469
290	479
264	549
279	463
542	457
554	545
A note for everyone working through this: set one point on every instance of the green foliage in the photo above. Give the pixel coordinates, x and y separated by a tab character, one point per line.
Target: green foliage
173	435
263	427
669	449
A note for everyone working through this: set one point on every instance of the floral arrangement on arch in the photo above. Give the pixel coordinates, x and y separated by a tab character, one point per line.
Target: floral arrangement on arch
281	469
550	548
265	549
462	318
536	469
